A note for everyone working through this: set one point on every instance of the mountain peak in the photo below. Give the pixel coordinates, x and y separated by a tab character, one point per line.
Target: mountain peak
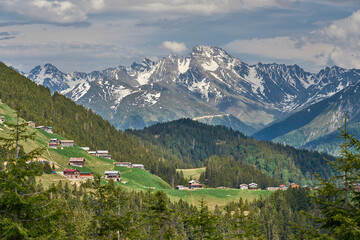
209	51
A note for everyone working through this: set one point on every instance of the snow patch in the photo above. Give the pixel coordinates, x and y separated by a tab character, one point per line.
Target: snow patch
183	65
256	82
203	87
210	65
79	91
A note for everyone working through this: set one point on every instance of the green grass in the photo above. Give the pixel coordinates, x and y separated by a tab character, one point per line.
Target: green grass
213	196
192	173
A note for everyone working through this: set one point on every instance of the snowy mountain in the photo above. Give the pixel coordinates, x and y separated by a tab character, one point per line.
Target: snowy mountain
206	82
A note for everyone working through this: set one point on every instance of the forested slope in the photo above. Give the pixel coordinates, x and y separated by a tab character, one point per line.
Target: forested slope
193	142
74	122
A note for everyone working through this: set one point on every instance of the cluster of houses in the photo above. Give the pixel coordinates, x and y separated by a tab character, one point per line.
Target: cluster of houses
2	119
193	184
76	174
129	165
251	186
98	153
283	187
54	143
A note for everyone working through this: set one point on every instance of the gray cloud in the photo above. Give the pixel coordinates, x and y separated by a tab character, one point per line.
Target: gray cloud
73	24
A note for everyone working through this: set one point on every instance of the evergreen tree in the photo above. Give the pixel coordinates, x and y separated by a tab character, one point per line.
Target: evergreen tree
338	198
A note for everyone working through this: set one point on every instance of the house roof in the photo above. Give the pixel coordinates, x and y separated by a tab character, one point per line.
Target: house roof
71	170
112	172
77	159
66	141
102	151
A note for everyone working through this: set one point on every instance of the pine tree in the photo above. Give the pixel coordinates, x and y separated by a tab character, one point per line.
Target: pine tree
26	210
338	198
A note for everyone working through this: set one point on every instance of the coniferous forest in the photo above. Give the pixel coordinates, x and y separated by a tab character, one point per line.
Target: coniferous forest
99	210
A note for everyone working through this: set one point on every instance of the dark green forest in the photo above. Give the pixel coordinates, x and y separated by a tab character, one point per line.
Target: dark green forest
194	142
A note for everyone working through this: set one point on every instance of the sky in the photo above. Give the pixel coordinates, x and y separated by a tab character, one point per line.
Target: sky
88	35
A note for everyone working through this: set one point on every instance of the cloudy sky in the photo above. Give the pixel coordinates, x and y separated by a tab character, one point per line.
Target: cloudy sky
86	35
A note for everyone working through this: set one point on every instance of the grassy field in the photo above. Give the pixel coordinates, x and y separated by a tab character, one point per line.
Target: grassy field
215	196
192	173
133	178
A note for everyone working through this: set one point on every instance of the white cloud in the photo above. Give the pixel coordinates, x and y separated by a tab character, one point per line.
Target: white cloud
66	11
175	47
338	43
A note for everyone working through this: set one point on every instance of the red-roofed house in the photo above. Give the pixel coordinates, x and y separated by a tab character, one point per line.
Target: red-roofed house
72	173
86	174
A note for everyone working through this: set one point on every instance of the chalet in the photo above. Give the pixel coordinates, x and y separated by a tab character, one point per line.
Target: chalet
2	119
123	164
86	174
100	153
77	162
31	124
72	173
46	129
67	143
54	140
272	188
137	166
253	186
53	145
193	184
112	174
294	185
283	187
92	153
107	156
85	148
180	187
244	186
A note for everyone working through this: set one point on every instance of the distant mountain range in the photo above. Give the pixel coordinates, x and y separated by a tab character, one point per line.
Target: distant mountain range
208	84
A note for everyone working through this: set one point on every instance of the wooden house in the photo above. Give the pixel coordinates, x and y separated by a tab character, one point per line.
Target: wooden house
283	187
67	143
72	173
180	187
2	119
46	129
77	162
101	153
54	140
31	124
193	184
253	186
244	186
53	145
92	153
86	174
123	164
138	166
112	174
294	185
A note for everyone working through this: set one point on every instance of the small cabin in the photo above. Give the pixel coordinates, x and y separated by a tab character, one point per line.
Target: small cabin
294	185
92	153
138	166
123	164
87	149
283	187
244	186
193	184
54	140
72	173
101	153
77	162
31	124
112	174
53	145
2	119
86	174
46	129
180	187
253	186
67	143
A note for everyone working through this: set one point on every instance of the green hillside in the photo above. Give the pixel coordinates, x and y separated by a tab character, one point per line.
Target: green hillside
194	142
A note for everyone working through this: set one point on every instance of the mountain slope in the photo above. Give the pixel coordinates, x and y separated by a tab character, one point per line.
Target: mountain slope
316	126
206	82
193	142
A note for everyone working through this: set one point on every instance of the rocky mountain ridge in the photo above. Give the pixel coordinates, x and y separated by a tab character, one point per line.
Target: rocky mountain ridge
208	81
